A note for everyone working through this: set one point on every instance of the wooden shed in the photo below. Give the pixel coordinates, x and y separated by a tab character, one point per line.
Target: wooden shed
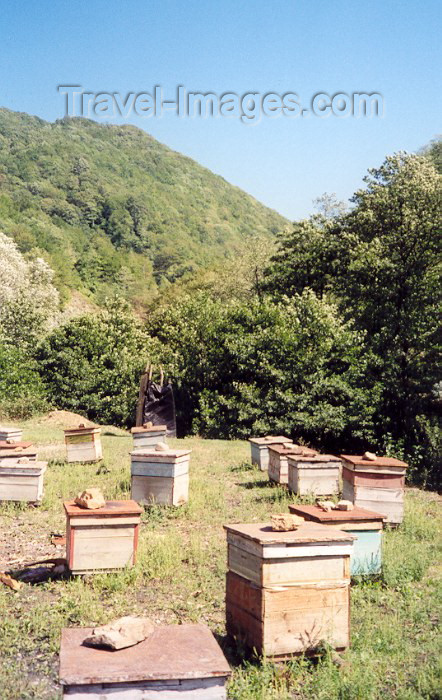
160	477
83	444
22	481
177	661
146	437
259	448
316	474
366	527
287	592
104	539
9	433
278	468
378	485
12	452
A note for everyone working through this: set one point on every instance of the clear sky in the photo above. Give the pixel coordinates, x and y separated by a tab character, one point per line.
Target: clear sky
301	46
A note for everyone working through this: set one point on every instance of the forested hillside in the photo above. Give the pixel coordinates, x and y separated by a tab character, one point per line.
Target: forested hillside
113	210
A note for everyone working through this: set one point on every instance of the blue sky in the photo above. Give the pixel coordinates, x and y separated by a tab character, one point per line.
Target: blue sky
301	46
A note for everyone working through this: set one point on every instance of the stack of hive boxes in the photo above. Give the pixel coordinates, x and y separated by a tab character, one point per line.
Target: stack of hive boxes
376	484
160	476
313	474
259	448
288	591
12	452
278	460
8	433
147	436
83	444
21	476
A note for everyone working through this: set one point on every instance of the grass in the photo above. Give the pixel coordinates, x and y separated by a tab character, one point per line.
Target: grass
180	573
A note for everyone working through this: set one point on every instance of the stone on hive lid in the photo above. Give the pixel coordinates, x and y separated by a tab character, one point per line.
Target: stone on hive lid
149	424
344	505
124	632
369	456
161	447
326	506
284	522
92	499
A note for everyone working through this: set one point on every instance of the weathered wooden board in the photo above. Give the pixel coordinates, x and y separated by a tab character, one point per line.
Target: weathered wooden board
286	620
148	437
103	539
150	490
274	572
389	502
181	662
309	479
373	480
22	482
278	467
83	445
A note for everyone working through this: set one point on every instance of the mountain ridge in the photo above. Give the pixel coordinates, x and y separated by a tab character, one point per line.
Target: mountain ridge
114	210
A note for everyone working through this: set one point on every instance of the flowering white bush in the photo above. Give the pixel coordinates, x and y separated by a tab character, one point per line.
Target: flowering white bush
29	302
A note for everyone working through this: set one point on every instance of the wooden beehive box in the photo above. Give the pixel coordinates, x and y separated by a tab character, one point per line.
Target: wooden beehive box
288	591
176	661
12	452
259	448
365	525
83	444
101	539
10	433
377	485
160	477
278	468
22	481
316	475
148	437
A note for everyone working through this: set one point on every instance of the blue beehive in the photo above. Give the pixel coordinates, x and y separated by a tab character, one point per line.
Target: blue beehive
366	525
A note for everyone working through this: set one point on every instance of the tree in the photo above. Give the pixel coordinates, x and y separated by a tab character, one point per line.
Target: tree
28	299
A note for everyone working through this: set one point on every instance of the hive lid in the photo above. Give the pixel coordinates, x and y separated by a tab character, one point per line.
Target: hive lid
357	460
84	429
292	449
111	508
29	467
14	445
270	440
336	516
315	457
159	454
173	652
305	534
150	429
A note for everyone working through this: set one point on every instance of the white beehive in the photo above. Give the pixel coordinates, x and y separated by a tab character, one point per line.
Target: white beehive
22	481
259	448
9	433
160	477
83	444
11	452
315	475
148	436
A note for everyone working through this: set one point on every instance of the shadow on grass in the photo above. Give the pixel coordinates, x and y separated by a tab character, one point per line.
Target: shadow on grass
254	484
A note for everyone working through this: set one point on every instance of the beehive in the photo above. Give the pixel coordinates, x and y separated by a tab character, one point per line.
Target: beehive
278	463
365	525
259	448
317	474
22	481
9	433
101	539
149	436
176	661
83	444
160	477
377	485
288	591
12	452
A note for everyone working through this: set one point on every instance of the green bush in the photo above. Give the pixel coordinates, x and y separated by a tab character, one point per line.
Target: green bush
93	364
22	393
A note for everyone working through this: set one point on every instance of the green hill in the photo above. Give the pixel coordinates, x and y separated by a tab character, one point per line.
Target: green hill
111	208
